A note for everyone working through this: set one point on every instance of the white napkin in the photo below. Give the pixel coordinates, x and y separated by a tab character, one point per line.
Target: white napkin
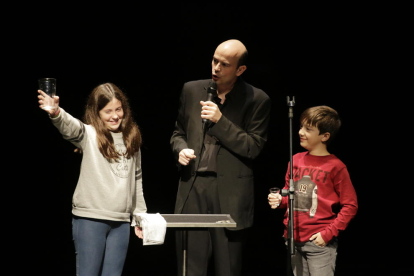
153	226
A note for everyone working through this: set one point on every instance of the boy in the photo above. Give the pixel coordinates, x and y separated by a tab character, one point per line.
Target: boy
324	200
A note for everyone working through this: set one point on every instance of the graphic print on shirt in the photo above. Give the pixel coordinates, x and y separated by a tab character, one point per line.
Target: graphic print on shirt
120	167
306	199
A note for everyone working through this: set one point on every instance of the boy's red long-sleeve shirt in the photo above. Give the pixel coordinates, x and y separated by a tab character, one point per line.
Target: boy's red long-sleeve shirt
324	200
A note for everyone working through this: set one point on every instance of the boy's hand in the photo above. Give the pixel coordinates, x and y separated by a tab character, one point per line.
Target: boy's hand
274	200
317	239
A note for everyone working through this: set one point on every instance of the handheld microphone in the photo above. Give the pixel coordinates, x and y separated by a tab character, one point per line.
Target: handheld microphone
211	91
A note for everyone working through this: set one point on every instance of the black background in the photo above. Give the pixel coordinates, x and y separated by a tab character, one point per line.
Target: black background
336	56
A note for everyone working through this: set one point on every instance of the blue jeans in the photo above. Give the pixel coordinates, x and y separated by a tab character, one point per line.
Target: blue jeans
100	246
311	259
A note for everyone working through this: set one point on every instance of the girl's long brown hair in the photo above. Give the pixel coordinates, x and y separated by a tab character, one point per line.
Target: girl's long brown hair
98	99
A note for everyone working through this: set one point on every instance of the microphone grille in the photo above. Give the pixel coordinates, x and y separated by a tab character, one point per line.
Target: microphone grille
213	86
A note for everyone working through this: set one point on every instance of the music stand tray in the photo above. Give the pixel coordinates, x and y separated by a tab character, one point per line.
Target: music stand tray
196	220
199	220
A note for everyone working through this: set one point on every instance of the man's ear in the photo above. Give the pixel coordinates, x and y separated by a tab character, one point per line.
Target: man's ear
241	69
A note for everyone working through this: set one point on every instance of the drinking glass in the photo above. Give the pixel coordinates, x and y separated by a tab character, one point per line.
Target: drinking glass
48	85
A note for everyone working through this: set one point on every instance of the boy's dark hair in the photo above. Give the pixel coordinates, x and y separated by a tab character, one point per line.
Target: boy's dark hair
323	117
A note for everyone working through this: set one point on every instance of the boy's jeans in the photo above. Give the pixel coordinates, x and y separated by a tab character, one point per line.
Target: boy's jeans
310	259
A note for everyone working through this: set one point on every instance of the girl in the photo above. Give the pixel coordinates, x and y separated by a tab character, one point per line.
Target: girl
109	189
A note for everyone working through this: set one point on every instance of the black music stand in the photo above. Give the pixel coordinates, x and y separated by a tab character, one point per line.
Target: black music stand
196	220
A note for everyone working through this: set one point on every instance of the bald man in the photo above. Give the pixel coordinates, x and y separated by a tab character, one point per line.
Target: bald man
221	128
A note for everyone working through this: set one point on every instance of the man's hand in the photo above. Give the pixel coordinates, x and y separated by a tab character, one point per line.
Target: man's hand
185	156
210	111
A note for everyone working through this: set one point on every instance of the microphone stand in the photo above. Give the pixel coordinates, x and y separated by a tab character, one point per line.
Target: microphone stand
290	192
204	125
